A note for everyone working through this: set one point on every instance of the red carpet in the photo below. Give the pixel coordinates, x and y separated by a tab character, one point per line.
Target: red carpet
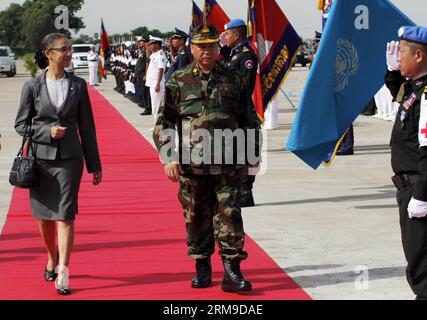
130	234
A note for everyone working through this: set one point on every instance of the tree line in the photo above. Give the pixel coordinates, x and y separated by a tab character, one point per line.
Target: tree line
22	27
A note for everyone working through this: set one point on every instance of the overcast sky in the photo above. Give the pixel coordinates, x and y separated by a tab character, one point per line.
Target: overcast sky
121	16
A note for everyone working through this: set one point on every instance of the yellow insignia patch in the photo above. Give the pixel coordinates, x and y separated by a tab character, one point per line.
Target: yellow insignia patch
425	89
195	71
245	49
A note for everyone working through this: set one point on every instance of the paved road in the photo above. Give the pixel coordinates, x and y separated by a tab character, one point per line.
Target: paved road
321	227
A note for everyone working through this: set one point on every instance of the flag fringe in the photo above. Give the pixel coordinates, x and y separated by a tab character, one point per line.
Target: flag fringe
328	163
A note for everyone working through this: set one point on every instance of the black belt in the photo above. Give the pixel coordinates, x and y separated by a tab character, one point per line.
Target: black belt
404	180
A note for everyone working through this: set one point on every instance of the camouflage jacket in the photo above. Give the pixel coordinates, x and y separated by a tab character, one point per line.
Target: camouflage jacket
200	108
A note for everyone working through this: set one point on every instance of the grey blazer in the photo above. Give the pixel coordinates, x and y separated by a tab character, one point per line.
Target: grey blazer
75	114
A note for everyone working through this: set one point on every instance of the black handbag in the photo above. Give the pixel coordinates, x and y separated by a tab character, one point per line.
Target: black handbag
25	172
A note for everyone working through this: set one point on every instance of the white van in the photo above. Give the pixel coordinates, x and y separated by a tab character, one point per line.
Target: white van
7	61
80	52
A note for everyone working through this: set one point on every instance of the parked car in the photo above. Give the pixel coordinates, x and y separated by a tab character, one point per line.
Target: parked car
80	52
7	61
304	57
70	68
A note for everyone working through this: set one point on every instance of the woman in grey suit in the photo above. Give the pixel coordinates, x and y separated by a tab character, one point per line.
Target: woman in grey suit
56	106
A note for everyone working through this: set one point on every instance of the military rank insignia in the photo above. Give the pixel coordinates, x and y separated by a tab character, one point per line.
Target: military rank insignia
195	71
245	49
249	64
425	92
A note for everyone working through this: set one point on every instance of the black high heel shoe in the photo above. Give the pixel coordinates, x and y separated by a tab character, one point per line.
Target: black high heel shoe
50	275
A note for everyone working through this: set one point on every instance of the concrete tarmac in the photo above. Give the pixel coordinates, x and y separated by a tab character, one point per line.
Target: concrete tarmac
334	230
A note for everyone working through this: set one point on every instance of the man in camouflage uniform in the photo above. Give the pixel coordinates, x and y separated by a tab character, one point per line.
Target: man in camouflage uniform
206	95
238	55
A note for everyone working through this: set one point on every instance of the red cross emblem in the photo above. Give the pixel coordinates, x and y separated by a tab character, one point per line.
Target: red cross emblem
424	131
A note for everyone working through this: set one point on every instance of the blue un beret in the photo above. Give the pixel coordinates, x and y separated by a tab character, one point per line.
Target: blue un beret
414	34
235	23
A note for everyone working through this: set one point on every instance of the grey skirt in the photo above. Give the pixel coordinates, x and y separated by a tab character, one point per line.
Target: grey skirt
56	196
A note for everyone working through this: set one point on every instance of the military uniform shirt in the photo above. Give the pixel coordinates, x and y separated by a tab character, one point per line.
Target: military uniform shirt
407	157
182	59
197	101
157	61
243	58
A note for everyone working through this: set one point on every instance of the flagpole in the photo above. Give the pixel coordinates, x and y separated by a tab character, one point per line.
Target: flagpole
284	93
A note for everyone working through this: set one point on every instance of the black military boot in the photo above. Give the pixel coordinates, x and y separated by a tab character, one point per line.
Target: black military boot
146	112
233	280
246	199
203	276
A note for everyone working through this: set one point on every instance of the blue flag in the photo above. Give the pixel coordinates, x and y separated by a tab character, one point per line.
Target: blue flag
347	72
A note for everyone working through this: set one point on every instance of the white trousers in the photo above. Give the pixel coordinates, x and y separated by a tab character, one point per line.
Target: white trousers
93	75
387	109
271	115
156	99
129	87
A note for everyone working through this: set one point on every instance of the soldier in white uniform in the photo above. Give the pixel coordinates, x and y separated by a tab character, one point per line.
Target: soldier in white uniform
92	58
155	74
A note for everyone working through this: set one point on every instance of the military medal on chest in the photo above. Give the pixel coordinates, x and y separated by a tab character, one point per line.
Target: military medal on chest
406	105
410	101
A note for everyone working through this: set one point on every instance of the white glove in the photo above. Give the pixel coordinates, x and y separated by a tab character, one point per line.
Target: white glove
222	39
392	53
417	208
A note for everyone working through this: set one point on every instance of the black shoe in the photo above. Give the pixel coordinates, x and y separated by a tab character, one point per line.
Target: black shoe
147	112
347	152
50	275
233	280
368	113
133	99
246	199
203	276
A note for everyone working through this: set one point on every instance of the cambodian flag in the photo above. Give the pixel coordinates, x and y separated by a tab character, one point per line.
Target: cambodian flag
276	44
196	17
215	15
104	50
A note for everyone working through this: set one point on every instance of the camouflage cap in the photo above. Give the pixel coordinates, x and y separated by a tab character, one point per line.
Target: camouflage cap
204	34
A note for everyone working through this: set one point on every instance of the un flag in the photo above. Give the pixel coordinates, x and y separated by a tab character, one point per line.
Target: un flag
348	70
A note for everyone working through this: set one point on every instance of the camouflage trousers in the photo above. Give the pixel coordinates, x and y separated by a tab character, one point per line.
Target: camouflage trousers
212	212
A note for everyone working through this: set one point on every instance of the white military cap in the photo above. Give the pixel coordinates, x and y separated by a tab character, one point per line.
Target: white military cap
155	39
